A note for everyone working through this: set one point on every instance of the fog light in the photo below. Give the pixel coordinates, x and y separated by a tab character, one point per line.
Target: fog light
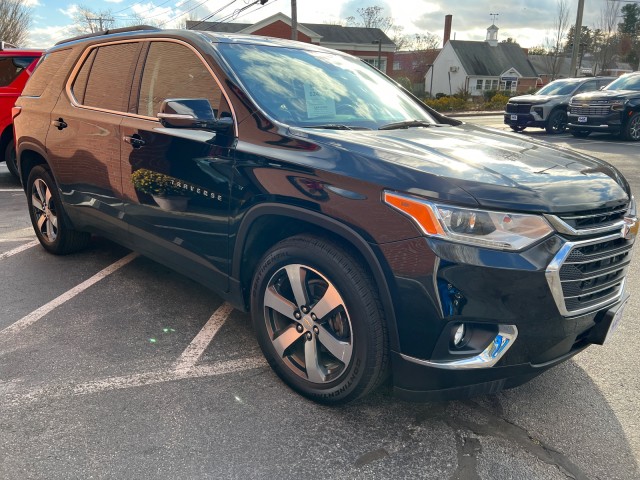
458	336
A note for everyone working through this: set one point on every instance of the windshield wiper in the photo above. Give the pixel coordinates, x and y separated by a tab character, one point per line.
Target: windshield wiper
406	124
330	126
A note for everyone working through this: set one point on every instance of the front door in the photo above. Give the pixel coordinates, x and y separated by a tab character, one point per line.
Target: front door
177	181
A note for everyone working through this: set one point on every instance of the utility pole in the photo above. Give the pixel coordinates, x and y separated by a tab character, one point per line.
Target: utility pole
294	20
99	19
576	38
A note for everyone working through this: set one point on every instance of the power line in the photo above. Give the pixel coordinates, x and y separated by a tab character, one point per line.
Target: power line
184	13
236	13
214	13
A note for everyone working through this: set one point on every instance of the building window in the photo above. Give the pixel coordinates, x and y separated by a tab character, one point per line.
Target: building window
414	64
494	84
396	65
479	84
374	61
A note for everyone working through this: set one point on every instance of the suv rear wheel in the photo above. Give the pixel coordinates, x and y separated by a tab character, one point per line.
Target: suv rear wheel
10	158
318	320
47	215
631	130
557	122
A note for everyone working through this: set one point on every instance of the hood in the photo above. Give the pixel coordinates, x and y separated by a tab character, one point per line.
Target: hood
605	95
534	99
498	169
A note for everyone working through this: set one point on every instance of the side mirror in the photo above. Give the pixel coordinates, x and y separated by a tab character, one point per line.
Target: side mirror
192	113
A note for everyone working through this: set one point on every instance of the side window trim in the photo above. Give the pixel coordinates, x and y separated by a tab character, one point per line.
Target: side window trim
78	65
136	81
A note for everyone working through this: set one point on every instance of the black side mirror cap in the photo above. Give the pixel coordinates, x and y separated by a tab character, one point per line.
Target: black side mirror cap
192	113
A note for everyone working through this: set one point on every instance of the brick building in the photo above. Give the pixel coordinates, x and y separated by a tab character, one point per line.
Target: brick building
370	44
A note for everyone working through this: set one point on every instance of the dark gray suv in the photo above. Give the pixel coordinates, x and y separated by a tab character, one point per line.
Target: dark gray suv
547	108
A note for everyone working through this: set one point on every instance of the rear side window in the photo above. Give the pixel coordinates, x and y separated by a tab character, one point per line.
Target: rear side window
104	80
173	70
49	66
11	67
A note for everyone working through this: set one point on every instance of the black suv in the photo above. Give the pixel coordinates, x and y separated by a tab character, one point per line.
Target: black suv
365	232
614	109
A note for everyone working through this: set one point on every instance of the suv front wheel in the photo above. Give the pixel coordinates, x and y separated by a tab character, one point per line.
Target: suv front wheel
557	122
318	320
631	130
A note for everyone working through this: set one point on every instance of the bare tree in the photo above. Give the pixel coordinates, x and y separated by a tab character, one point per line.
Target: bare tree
91	21
607	25
15	18
371	17
554	43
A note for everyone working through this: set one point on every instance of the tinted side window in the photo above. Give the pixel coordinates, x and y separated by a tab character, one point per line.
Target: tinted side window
109	82
49	65
11	67
79	87
587	87
174	71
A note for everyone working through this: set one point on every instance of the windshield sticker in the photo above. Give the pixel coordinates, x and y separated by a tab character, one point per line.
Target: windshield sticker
317	104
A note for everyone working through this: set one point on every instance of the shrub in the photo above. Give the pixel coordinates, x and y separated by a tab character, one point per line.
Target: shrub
447	104
498	101
154	183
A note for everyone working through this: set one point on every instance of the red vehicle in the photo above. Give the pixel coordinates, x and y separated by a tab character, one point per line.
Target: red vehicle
16	65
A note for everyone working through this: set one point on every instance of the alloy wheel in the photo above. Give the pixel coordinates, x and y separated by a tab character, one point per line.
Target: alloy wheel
308	323
45	211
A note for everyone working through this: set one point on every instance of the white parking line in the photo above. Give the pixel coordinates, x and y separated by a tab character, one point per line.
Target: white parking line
36	315
200	343
19	249
11	190
14	398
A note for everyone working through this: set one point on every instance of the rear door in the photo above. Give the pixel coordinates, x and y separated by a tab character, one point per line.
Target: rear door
84	139
177	180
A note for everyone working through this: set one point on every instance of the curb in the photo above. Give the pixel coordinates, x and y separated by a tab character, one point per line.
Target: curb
473	114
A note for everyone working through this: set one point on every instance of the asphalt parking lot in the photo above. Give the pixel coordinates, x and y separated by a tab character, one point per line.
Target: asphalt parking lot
112	366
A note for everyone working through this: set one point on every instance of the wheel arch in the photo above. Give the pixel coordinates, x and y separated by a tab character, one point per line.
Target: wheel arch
29	156
266	224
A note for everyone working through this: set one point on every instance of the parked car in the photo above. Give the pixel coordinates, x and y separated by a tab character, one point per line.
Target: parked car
547	108
365	232
16	65
615	109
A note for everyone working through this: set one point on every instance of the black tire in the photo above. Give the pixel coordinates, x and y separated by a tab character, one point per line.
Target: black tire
557	122
342	353
47	215
580	133
10	158
517	128
631	130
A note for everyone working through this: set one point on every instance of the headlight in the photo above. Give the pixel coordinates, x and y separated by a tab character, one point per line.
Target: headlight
499	230
617	105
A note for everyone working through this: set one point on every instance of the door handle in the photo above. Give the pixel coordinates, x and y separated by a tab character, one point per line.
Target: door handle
134	140
59	124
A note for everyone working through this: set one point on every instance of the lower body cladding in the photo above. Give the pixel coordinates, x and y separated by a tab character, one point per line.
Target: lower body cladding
474	321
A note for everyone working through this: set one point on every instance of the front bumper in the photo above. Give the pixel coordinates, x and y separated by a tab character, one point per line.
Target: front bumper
523	120
443	285
611	123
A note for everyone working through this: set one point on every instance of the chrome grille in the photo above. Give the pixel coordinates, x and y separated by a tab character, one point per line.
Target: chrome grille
587	275
518	107
586	110
594	273
595	218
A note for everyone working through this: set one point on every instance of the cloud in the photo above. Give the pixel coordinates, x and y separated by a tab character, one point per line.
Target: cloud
31	3
46	37
70	11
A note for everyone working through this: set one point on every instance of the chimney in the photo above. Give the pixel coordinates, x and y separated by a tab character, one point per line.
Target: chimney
447	29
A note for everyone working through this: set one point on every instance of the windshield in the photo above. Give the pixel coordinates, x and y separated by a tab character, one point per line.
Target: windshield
312	88
559	87
631	82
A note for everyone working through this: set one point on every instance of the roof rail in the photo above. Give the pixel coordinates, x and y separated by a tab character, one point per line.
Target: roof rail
107	32
5	45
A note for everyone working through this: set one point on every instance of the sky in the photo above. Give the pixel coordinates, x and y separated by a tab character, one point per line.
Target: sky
526	21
